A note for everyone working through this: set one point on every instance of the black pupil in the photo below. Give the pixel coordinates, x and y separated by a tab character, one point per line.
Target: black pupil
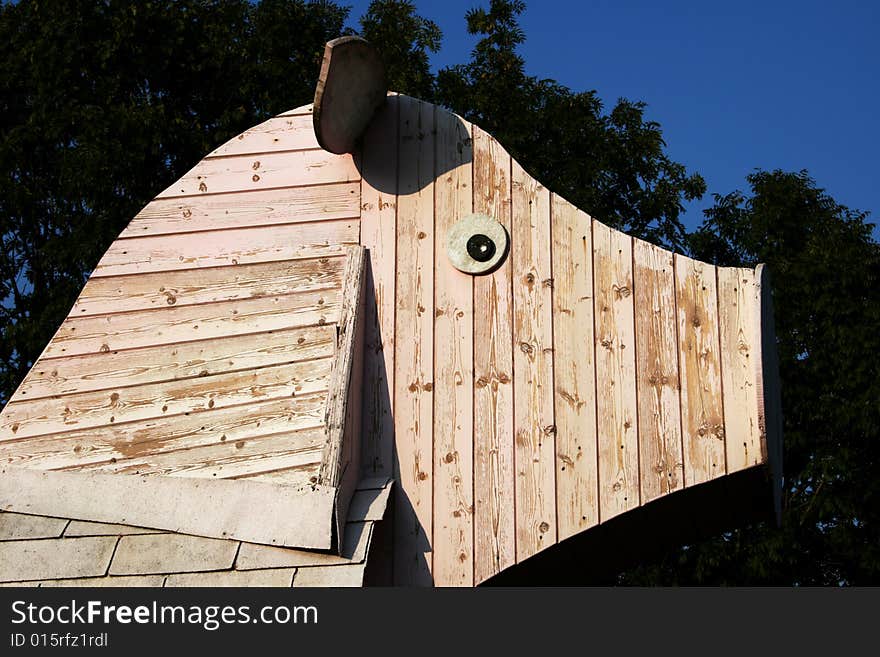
480	248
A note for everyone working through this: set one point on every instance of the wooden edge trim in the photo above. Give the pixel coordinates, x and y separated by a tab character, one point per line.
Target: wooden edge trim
351	87
341	377
340	461
252	511
767	385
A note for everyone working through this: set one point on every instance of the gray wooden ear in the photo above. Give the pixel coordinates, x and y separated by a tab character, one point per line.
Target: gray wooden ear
351	87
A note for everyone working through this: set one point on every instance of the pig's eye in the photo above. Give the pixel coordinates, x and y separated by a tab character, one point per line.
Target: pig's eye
476	244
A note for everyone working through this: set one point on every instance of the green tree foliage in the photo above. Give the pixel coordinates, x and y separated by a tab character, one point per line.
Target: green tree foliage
614	165
405	41
826	285
105	104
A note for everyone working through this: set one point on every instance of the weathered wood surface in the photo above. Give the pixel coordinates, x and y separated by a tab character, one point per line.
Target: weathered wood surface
177	324
186	287
577	481
351	87
232	247
701	394
739	352
118	445
280	133
379	237
94	409
414	346
453	366
534	427
61	376
494	522
268	207
202	345
341	394
617	413
661	465
300	451
242	173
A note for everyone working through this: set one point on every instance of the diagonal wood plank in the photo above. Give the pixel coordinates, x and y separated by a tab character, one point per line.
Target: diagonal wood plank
262	171
86	410
91	372
227	247
177	324
187	287
253	208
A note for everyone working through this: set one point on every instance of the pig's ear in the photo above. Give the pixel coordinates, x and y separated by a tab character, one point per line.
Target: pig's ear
351	87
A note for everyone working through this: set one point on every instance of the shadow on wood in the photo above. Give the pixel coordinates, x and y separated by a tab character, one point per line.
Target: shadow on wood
596	556
416	125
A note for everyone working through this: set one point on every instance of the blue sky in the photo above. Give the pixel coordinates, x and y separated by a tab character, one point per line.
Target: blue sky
735	85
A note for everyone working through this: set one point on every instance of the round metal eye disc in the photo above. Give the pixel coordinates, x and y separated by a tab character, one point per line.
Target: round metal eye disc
476	244
480	247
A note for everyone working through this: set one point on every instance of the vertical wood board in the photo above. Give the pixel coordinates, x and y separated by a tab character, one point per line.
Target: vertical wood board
494	523
534	423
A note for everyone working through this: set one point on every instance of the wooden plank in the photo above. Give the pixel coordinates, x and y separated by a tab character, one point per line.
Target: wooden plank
120	445
289	516
341	391
702	412
769	390
303	110
661	462
227	247
736	307
85	410
379	236
244	173
413	376
294	476
351	86
453	362
253	208
187	360
176	324
207	285
534	423
616	408
577	476
280	133
494	522
298	451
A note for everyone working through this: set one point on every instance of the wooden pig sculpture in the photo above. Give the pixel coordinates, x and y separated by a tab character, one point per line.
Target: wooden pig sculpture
368	293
